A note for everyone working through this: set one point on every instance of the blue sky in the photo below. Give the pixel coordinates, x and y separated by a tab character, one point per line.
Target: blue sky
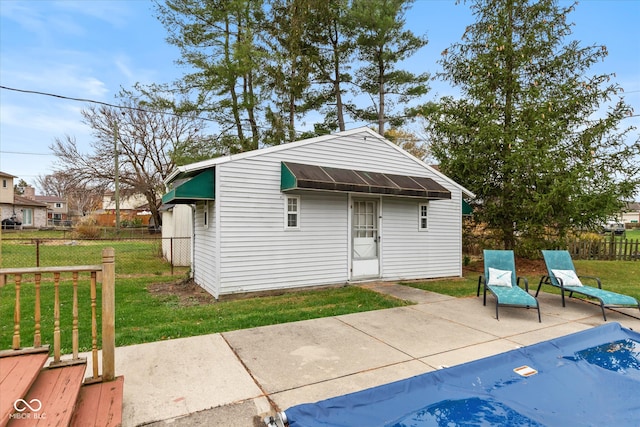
90	49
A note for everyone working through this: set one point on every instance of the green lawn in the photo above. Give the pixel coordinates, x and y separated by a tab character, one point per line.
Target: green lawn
633	234
133	256
144	317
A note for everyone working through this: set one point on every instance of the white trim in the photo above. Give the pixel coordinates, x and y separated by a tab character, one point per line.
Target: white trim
378	260
420	217
288	227
218	232
205	215
205	164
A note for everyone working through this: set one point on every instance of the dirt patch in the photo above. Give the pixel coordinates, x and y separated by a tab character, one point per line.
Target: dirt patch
188	293
529	268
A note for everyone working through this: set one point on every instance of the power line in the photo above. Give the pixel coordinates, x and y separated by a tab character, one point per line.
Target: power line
93	101
26	153
107	104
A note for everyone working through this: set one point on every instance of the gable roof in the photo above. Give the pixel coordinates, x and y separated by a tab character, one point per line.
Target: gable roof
23	201
7	175
50	199
192	169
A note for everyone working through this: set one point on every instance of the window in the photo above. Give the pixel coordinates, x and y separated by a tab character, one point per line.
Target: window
292	218
205	219
58	205
4	183
423	216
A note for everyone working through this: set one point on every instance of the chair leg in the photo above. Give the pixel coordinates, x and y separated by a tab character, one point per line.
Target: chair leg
497	309
539	286
539	318
562	293
604	316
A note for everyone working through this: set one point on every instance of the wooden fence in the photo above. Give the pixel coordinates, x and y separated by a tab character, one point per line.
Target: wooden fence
606	249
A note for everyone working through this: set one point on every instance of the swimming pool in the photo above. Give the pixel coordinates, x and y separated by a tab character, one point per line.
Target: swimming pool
590	378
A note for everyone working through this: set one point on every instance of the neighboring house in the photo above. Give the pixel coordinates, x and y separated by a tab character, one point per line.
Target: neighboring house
631	213
31	213
57	208
333	209
131	206
130	203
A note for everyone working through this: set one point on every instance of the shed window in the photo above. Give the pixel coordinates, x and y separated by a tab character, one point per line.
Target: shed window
423	212
292	218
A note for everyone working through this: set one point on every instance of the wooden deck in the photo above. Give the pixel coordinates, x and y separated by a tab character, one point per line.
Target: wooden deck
17	375
57	390
31	395
100	405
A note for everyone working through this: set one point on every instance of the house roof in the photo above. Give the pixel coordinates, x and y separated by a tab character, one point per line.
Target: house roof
50	199
23	201
7	175
632	207
193	169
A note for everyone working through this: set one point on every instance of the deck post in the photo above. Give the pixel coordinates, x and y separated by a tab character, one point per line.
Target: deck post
108	314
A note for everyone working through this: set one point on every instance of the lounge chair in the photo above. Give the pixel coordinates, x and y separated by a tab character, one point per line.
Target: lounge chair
500	279
562	274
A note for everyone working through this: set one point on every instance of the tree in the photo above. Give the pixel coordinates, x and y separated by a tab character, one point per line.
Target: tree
218	41
382	44
140	140
331	41
409	142
529	134
20	186
81	197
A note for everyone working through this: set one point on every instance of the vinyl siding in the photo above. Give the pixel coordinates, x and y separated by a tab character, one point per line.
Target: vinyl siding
204	249
410	253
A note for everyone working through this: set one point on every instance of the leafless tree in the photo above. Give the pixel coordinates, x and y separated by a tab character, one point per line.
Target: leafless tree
82	197
141	142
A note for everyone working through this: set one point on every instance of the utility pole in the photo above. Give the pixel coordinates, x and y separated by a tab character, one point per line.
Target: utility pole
117	174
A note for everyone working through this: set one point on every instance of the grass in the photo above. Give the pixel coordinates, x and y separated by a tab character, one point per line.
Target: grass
145	317
133	256
616	276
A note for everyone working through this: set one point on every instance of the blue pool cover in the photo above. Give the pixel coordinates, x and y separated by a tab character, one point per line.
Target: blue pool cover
590	378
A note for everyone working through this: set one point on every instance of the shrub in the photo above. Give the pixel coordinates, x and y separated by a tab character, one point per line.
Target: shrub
87	228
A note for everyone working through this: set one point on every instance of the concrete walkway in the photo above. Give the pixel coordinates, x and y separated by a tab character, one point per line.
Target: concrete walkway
235	379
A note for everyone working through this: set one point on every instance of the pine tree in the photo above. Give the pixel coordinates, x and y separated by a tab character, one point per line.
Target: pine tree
534	135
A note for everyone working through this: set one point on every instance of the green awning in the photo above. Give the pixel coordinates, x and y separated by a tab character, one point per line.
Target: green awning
466	208
190	190
295	176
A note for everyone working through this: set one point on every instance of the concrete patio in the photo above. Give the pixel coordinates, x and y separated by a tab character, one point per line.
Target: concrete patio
237	378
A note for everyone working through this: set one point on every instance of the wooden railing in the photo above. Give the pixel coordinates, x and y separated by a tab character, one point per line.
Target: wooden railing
105	272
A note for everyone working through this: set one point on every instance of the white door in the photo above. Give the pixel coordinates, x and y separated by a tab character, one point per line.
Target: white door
27	217
365	239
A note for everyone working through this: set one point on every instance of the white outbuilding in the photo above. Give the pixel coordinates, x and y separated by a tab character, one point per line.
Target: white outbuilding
339	208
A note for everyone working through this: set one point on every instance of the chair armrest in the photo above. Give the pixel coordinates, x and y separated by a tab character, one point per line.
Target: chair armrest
593	278
559	280
526	283
481	280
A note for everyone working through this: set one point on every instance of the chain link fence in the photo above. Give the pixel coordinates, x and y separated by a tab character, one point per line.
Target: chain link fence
148	255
